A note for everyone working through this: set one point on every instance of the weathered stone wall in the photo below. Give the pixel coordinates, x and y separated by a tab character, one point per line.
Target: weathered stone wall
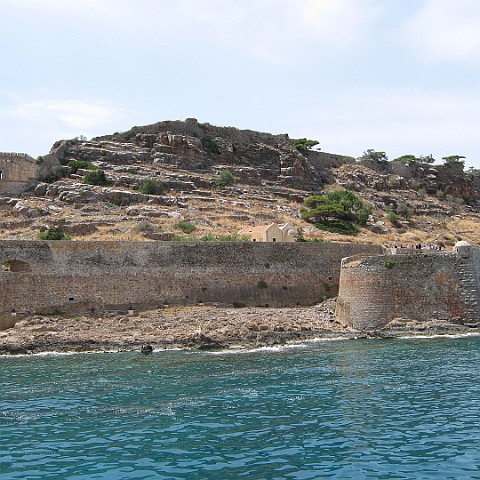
18	172
323	160
192	127
423	286
41	276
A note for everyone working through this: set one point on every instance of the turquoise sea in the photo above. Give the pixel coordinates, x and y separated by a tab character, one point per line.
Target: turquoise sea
356	409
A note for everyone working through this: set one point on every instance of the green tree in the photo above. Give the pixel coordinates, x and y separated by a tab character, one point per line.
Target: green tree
324	211
426	159
454	160
374	156
355	209
338	205
472	173
404	210
407	159
303	144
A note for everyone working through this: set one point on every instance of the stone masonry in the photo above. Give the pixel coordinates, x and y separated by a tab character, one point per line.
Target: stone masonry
79	277
17	172
418	286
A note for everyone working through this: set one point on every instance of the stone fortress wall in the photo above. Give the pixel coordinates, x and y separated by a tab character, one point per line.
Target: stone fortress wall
78	277
412	285
17	172
20	172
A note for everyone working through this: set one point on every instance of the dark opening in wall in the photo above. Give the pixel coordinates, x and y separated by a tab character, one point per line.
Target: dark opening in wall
71	298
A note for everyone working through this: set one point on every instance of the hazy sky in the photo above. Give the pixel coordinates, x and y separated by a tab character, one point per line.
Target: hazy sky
401	76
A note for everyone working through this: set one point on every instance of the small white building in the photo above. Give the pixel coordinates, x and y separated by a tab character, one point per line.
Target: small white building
271	233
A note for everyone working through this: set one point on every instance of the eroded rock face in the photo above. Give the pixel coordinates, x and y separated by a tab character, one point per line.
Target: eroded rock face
253	156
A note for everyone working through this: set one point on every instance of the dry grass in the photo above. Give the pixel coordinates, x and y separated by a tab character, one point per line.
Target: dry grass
228	211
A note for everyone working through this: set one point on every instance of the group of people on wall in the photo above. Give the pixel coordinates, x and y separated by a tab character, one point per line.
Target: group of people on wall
417	246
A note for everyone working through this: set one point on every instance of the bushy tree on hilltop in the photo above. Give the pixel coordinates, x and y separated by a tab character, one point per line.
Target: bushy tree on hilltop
413	160
374	156
454	160
303	144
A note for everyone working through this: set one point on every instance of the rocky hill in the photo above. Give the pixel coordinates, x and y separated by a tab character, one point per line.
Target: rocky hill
191	179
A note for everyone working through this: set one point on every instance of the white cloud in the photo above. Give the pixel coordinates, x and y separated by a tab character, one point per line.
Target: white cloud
72	114
275	31
339	22
447	30
40	123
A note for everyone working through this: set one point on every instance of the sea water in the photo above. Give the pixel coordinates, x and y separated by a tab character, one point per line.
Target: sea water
356	409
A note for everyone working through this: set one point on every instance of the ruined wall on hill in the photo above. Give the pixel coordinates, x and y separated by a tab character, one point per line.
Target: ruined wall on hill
418	286
39	276
17	172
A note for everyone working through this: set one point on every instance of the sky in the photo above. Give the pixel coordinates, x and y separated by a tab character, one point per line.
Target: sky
399	76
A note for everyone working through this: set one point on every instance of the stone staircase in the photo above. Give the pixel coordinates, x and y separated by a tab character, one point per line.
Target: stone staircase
470	287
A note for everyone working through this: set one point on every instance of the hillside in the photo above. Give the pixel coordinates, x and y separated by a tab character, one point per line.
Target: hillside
189	187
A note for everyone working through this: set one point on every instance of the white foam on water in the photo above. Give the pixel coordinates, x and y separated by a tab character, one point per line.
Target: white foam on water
241	350
443	335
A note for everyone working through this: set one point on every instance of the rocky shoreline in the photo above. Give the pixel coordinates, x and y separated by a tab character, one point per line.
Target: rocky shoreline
198	327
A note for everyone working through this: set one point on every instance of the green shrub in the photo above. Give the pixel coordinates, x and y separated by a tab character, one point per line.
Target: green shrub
211	145
393	218
226	177
390	263
208	238
54	233
440	194
186	227
152	186
394	180
75	165
233	237
97	177
262	284
39	160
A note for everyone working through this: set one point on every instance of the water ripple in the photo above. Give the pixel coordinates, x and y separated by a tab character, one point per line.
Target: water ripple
404	409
